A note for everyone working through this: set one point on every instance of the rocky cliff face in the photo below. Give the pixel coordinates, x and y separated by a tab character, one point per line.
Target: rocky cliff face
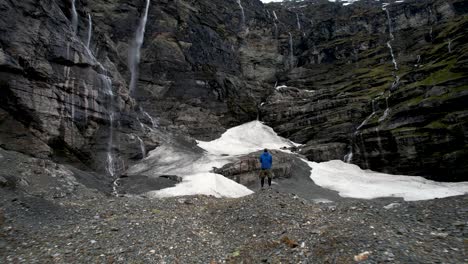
387	86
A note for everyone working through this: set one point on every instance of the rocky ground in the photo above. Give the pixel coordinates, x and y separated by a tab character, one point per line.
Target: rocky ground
268	226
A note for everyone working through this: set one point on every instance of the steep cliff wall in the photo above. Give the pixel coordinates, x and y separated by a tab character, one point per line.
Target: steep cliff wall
387	87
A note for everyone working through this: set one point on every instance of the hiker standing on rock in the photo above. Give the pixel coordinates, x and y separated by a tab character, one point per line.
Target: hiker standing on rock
266	160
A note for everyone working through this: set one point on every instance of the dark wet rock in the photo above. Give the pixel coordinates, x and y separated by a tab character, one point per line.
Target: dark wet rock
202	71
141	184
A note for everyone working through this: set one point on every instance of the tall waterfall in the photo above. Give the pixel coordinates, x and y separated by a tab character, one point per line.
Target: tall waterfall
242	13
111	162
74	17
390	29
134	52
389	43
449	46
90	31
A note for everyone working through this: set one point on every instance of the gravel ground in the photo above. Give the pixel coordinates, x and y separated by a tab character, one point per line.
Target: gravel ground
268	226
50	213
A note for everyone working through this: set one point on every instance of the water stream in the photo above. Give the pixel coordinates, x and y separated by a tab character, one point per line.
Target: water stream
243	15
298	22
90	31
74	20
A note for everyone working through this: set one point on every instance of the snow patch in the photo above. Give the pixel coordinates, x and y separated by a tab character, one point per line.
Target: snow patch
351	181
195	170
205	183
246	138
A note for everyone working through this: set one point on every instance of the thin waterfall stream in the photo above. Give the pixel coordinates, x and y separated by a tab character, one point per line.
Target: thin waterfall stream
134	52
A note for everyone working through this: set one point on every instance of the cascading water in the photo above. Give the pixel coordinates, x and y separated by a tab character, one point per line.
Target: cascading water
243	15
367	119
291	51
74	16
298	22
274	15
449	46
154	124
386	112
395	65
111	161
390	29
134	52
90	31
348	157
142	147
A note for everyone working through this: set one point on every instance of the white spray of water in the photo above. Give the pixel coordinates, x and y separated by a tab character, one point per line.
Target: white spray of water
450	46
111	162
274	15
134	52
243	14
395	65
74	17
154	124
142	147
349	157
90	31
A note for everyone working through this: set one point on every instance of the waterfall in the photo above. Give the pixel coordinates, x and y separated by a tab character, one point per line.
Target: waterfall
387	110
74	17
274	15
395	65
110	155
450	46
90	31
348	157
298	22
291	51
154	124
390	30
142	147
243	14
110	166
367	119
134	52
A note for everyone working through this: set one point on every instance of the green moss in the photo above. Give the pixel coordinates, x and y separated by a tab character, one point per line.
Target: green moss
436	125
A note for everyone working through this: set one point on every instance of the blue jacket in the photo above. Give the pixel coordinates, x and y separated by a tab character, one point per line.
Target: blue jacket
266	159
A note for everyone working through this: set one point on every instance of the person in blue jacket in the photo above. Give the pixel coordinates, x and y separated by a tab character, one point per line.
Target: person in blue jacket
266	161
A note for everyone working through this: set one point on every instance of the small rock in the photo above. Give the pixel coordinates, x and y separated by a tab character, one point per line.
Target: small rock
439	235
392	206
362	256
